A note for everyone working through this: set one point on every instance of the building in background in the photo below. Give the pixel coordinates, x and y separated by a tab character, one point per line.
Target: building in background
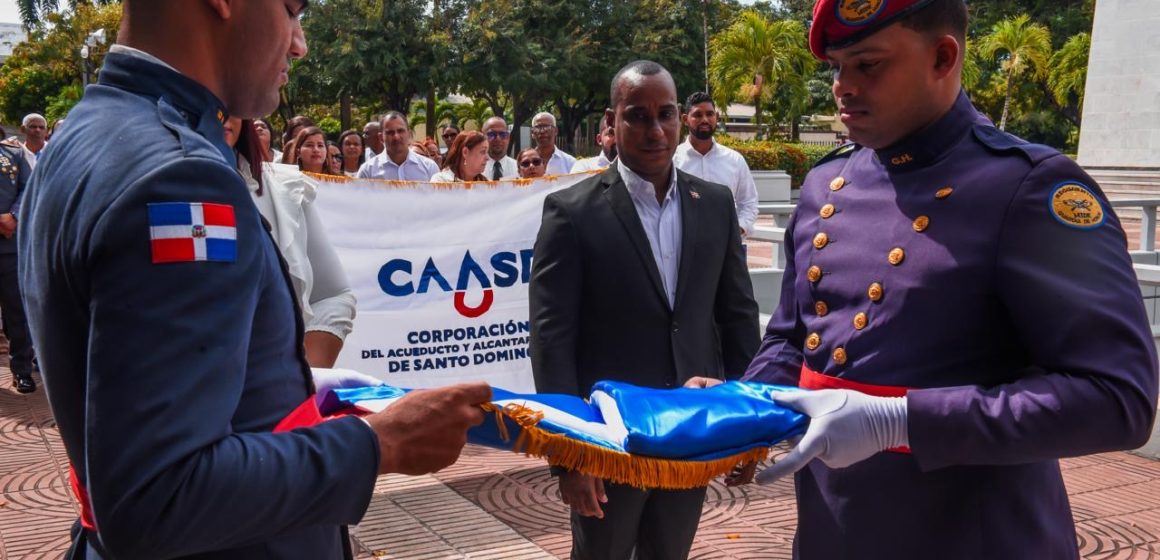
11	34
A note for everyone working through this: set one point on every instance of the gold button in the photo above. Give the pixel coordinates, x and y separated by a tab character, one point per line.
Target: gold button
839	356
896	256
814	274
860	321
875	292
221	116
827	211
813	341
837	184
821	240
821	308
944	192
921	223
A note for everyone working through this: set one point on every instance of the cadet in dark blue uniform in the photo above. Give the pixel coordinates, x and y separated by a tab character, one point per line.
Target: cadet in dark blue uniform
959	292
14	174
171	343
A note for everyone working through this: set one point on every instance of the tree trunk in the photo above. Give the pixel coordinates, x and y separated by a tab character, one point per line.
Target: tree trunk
1007	100
757	114
432	120
794	128
344	111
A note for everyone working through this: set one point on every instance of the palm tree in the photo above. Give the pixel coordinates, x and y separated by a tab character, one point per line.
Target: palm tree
972	71
1022	46
755	53
477	111
1068	73
444	112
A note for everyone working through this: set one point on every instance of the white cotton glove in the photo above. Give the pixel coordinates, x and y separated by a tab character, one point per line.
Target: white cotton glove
845	427
327	380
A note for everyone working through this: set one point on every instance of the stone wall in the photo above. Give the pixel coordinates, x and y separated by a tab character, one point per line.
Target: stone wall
1121	117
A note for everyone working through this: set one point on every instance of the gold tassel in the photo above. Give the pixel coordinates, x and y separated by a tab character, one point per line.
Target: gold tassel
621	468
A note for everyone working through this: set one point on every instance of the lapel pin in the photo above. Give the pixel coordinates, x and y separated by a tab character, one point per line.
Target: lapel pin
696	195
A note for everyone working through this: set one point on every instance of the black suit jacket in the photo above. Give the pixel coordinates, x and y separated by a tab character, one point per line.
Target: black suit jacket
598	307
14	174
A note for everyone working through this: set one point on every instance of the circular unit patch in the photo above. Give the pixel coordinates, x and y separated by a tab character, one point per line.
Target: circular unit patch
1074	205
859	12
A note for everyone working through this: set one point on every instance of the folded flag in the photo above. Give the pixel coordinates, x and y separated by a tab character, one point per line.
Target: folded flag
648	438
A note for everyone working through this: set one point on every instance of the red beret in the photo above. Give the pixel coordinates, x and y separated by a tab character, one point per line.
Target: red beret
841	23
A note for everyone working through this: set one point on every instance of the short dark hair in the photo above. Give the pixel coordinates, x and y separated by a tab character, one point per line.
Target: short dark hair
642	67
697	98
396	115
940	17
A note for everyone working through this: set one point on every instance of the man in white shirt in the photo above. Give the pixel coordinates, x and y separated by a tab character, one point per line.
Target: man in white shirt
606	138
700	156
35	130
373	139
500	166
544	132
398	162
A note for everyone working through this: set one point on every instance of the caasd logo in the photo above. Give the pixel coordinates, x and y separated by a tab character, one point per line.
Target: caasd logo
396	278
859	12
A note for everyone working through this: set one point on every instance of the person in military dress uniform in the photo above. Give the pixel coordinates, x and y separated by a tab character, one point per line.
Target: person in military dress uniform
961	301
172	347
14	174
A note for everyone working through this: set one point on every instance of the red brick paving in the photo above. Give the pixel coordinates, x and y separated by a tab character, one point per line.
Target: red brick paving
499	505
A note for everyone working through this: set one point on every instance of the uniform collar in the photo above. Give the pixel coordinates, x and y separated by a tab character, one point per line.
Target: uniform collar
926	146
141	73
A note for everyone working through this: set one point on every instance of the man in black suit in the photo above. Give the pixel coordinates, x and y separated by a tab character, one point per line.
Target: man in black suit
638	276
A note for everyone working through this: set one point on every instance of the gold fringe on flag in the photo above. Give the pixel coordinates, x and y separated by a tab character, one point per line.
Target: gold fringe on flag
619	467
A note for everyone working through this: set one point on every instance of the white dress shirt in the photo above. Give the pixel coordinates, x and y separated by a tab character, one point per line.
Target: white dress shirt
592	163
445	176
287	202
560	163
415	168
662	224
508	168
723	166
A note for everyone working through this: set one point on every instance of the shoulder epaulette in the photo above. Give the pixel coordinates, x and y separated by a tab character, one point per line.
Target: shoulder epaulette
11	143
843	151
1001	142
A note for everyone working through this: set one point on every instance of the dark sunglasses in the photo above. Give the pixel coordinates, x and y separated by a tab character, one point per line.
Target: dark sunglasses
498	135
450	134
531	162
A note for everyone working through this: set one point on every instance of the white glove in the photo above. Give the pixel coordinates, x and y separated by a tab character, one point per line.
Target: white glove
845	427
327	380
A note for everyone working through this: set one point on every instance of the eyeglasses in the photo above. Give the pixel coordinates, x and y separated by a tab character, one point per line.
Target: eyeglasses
542	127
450	134
498	135
531	162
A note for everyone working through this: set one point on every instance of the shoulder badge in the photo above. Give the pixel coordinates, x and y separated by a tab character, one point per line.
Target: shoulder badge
11	142
1001	142
1074	205
845	150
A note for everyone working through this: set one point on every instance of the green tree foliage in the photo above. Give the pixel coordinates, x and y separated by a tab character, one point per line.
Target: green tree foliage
1068	73
1022	46
759	60
35	12
43	67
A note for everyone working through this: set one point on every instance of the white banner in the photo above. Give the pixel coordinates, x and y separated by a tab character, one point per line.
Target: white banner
441	275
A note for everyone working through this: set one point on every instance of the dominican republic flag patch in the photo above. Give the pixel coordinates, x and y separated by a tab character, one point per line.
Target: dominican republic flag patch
193	231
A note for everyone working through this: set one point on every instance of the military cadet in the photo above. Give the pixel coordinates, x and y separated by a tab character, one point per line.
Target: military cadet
965	304
15	170
172	346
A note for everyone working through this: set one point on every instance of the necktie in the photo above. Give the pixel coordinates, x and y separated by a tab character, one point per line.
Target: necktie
496	171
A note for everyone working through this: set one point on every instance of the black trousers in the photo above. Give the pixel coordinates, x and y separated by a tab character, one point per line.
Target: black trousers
15	322
658	524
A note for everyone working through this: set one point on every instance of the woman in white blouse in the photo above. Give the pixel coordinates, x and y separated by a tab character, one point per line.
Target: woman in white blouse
466	159
284	197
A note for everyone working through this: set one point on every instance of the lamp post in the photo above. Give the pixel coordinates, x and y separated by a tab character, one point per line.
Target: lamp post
93	40
705	34
84	65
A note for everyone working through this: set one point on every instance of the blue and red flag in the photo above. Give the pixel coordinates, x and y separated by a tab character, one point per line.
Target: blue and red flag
193	231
